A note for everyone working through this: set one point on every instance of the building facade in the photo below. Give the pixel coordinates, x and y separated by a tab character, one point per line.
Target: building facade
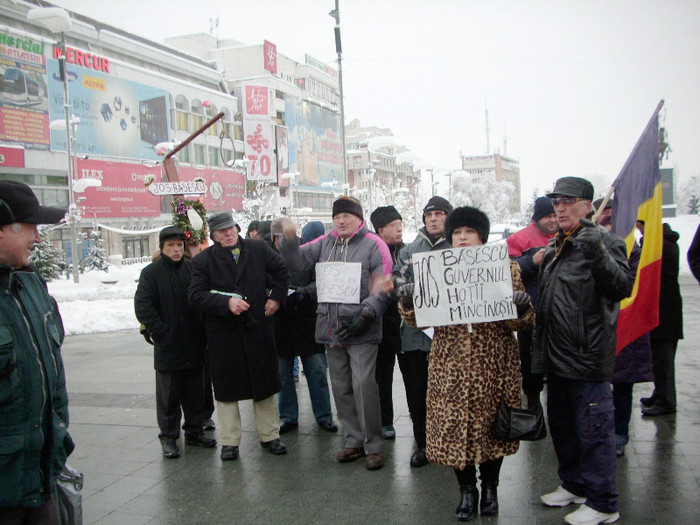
500	168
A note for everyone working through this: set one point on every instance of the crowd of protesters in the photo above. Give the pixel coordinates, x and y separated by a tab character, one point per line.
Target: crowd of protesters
239	313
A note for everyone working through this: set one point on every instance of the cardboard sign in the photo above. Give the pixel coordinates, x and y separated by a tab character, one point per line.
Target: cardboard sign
463	285
338	282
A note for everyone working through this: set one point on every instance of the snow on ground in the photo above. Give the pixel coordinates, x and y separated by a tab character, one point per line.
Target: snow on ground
99	304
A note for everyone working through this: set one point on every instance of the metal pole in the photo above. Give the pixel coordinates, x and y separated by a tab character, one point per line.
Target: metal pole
71	196
339	50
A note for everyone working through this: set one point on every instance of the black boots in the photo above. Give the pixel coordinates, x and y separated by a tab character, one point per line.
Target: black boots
466	510
489	499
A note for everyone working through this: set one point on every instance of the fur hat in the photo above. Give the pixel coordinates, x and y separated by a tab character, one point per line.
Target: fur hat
345	204
543	207
311	231
437	203
468	216
170	232
383	216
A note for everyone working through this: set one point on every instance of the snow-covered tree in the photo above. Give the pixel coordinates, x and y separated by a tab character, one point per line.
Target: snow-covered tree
688	196
96	257
487	194
46	257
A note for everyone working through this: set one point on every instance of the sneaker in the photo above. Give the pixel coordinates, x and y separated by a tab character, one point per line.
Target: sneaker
200	440
561	498
209	424
170	449
388	432
585	515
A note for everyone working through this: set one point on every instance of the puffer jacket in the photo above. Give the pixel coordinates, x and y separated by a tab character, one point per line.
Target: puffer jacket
34	439
161	304
412	338
578	307
364	247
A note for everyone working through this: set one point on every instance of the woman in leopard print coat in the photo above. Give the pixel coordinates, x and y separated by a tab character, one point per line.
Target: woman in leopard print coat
472	367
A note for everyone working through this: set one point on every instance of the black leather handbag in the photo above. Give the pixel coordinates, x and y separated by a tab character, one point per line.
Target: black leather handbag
519	424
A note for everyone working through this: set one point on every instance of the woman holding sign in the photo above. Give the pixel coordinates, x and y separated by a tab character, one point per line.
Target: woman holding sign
473	366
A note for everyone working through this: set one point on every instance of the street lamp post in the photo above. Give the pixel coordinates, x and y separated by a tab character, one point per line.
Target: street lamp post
335	13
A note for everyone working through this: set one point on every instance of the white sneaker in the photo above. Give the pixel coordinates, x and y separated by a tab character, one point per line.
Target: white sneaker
561	498
585	515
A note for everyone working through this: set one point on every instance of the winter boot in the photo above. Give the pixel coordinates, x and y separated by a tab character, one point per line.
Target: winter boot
467	509
489	499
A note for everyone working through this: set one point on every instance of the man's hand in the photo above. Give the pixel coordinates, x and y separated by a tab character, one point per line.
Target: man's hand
237	306
356	327
405	294
271	307
289	229
537	258
381	284
590	239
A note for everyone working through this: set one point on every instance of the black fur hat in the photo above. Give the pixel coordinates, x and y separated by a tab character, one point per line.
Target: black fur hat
383	216
468	216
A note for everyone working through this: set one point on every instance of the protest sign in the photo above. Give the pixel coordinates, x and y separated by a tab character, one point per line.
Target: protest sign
463	285
338	282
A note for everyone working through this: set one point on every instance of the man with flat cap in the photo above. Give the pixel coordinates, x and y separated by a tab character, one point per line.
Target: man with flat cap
177	332
583	276
228	286
33	399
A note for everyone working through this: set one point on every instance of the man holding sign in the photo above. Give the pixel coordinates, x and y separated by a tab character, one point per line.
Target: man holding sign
349	320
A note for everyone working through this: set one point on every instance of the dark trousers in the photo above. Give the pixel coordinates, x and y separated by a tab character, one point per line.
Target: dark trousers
414	369
622	396
663	356
582	424
489	472
386	358
532	383
46	514
175	389
208	395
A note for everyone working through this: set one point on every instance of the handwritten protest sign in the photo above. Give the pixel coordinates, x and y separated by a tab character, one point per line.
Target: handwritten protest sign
338	282
463	285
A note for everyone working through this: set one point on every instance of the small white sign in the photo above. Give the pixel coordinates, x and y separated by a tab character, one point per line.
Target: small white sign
177	188
338	282
463	285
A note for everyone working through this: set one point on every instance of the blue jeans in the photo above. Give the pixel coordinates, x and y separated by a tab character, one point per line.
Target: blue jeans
315	366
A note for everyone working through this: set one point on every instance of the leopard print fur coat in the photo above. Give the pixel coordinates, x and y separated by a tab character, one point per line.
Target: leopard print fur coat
469	372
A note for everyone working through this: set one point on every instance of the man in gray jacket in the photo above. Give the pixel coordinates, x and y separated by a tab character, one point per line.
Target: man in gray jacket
350	329
415	344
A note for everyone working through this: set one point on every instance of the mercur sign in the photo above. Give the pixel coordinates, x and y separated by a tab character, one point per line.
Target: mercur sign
463	285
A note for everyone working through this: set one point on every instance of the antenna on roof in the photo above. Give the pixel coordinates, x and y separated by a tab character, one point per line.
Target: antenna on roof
488	140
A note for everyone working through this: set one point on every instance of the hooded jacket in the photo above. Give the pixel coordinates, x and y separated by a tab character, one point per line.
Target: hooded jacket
363	247
670	301
575	334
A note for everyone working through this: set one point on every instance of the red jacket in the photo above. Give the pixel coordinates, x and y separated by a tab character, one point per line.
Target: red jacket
529	237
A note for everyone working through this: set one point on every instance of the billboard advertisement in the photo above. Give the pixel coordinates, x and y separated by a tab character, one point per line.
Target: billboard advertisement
225	188
259	134
314	144
24	100
281	138
118	118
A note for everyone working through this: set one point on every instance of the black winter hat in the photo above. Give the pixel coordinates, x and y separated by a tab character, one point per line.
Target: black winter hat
437	203
572	187
543	207
347	204
170	232
253	225
383	216
468	216
19	204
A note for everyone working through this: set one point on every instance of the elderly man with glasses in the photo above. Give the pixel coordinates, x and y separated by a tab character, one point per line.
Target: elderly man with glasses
583	276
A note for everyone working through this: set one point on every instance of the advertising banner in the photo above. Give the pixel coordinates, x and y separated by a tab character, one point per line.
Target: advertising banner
118	118
259	136
225	188
463	285
24	102
123	192
314	144
270	53
281	137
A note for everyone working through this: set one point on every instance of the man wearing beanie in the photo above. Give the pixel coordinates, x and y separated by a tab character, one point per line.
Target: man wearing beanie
526	247
415	345
388	224
230	282
350	332
583	276
177	332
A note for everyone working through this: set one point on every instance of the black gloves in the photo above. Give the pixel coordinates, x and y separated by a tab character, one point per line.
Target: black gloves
405	294
357	326
146	335
521	301
590	238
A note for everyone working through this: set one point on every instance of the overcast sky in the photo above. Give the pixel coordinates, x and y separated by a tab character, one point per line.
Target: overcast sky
570	85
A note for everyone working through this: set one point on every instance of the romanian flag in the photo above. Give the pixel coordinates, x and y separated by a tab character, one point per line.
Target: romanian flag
638	197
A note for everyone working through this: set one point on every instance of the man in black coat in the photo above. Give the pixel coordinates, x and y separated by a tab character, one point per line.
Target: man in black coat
694	255
177	333
229	287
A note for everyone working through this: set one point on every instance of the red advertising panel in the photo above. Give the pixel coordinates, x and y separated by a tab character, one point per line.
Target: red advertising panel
270	52
11	157
123	192
225	188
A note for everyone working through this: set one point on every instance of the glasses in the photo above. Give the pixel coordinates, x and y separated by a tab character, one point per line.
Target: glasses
565	200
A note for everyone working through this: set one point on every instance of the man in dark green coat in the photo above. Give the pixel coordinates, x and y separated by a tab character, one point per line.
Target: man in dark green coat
34	440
